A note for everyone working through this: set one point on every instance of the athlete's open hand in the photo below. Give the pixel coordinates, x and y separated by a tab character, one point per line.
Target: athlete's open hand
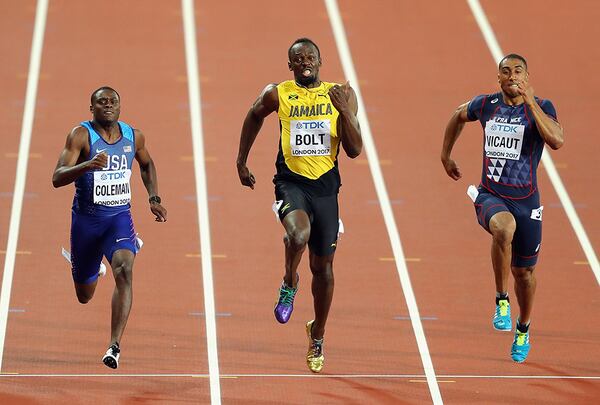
98	162
246	177
339	96
452	169
159	211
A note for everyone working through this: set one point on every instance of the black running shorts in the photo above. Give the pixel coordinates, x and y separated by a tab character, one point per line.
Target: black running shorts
323	213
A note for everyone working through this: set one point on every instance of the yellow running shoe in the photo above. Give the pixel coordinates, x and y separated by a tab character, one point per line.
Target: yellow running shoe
314	356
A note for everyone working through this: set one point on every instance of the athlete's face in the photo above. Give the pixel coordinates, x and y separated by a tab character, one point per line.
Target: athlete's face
106	106
305	63
511	73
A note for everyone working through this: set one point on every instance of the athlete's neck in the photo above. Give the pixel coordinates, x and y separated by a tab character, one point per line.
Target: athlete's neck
109	130
311	85
512	101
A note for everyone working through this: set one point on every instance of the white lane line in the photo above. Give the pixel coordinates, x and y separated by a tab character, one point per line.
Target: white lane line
189	25
548	163
366	376
37	44
337	26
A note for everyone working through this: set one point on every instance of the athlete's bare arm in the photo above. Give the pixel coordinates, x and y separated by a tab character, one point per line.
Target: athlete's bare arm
265	104
550	130
71	162
343	99
148	173
453	130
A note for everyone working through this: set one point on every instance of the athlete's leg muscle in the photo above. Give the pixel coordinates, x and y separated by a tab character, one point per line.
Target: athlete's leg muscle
122	267
85	292
502	226
297	228
525	285
322	290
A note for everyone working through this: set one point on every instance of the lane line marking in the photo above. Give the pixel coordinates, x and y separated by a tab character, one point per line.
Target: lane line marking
191	56
548	163
37	44
366	376
345	55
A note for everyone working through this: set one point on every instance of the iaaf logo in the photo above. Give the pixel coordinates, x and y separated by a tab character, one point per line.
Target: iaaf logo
503	128
310	125
113	176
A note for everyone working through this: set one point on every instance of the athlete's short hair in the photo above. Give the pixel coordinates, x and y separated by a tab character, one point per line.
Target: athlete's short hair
303	40
513	56
100	89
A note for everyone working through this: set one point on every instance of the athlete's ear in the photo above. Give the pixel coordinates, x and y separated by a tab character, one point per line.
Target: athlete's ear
91	109
289	65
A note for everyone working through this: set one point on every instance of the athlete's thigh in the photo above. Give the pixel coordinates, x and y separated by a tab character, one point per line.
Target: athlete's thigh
290	197
86	247
120	234
486	206
324	226
528	236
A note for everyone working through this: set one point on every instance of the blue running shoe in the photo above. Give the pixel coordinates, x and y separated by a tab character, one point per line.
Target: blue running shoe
285	304
520	347
502	319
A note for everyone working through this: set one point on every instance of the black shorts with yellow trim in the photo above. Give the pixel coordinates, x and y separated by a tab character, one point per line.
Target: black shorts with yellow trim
323	213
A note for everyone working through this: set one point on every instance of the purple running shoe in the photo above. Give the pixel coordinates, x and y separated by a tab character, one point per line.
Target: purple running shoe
285	304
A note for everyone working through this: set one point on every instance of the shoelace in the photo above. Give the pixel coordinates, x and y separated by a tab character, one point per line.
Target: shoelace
114	349
286	295
502	309
316	347
521	338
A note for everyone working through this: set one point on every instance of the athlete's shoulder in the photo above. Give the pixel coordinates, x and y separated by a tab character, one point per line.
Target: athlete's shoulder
286	86
547	106
476	105
79	131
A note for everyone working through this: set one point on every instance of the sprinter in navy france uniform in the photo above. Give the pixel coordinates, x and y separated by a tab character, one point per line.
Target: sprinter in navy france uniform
516	126
98	157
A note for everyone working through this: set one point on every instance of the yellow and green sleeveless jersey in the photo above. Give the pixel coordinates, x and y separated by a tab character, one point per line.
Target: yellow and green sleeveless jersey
309	142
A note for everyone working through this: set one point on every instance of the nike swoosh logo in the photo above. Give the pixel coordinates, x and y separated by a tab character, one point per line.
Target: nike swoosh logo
120	239
100	150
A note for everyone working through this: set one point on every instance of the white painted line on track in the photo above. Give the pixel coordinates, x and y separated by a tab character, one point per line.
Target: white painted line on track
189	26
548	163
337	26
35	60
366	376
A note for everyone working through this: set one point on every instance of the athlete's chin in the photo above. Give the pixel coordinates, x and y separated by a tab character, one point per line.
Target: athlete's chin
306	80
511	92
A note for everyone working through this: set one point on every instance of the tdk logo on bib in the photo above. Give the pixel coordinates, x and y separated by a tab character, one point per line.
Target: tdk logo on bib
113	175
503	141
310	124
504	128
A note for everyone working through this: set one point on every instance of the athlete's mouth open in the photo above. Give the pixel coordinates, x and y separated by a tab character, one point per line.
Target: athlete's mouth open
306	72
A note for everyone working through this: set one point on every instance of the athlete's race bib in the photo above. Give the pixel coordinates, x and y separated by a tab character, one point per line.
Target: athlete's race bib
503	141
111	188
310	138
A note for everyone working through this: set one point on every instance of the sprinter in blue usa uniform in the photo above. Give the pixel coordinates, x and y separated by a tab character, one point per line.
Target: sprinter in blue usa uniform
97	157
516	126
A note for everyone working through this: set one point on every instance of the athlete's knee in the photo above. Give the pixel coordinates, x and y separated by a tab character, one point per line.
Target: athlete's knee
524	274
123	272
503	231
84	297
322	267
297	238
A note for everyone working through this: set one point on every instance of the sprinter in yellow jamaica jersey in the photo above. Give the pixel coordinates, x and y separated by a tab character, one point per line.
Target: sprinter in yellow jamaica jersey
315	117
